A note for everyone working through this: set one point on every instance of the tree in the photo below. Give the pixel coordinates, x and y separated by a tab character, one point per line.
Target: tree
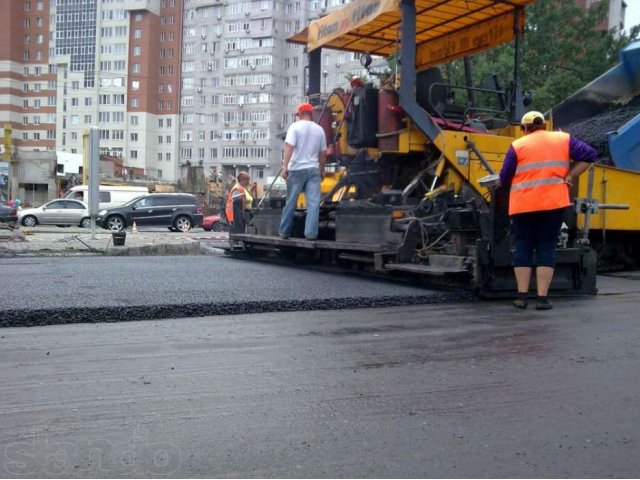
562	50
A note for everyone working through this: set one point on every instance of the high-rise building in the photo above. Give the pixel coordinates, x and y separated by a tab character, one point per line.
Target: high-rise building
27	80
241	81
66	65
168	82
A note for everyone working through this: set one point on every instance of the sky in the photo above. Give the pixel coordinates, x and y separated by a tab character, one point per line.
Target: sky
632	15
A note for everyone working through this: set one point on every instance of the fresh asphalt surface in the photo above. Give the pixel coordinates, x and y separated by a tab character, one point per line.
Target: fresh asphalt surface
46	290
448	388
451	390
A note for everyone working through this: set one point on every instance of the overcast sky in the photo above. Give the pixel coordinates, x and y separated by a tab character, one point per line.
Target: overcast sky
632	15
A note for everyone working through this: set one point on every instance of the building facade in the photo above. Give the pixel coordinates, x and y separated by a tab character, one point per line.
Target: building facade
242	82
169	82
66	65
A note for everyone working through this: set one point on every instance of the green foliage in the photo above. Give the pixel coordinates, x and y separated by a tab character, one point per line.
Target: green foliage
562	51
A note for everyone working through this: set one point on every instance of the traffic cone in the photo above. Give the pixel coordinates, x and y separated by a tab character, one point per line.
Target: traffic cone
134	229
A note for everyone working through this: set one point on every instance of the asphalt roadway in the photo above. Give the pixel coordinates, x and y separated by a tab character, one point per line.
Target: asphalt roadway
451	390
50	290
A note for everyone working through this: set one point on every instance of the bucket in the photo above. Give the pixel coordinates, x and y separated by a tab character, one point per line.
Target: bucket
119	238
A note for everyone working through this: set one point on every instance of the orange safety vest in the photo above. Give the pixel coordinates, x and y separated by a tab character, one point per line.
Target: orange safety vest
229	205
543	164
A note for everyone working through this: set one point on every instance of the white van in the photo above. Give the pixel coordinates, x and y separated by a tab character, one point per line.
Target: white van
110	196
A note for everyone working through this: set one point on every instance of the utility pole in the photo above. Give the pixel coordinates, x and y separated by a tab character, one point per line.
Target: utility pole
93	173
7	156
85	157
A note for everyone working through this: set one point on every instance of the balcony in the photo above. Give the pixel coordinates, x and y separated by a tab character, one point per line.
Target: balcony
152	6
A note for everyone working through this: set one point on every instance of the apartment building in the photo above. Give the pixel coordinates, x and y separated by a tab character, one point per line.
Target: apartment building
27	80
241	81
66	65
168	82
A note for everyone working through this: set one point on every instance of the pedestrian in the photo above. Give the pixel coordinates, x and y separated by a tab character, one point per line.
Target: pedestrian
124	174
538	170
242	189
305	154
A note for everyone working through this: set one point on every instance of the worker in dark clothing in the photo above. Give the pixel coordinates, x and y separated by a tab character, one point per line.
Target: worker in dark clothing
538	170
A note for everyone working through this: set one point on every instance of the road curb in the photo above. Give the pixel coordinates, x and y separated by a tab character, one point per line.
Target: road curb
193	248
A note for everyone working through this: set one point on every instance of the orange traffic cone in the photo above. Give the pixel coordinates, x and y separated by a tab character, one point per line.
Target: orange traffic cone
134	229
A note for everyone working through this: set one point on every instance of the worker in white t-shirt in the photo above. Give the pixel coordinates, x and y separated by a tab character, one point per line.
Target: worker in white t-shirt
305	154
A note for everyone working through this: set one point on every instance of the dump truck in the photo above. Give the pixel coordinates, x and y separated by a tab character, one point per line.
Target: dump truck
411	189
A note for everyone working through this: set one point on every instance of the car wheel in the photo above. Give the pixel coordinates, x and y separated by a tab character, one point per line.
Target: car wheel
29	221
182	223
85	223
115	223
216	227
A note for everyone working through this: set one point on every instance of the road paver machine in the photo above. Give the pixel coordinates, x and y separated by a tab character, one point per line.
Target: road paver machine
413	191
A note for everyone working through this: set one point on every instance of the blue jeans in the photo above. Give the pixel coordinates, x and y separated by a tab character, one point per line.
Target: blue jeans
307	180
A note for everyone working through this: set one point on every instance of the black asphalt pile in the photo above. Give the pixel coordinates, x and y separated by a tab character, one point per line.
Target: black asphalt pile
594	130
59	316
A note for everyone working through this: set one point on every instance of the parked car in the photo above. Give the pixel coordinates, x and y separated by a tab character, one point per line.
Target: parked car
60	212
213	223
176	211
8	213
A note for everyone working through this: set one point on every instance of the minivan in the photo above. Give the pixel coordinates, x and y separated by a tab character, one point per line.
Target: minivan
176	211
109	195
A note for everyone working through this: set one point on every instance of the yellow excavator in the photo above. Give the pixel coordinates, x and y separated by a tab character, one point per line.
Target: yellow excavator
412	185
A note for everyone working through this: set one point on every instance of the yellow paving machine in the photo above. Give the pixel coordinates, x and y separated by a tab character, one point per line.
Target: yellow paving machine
413	191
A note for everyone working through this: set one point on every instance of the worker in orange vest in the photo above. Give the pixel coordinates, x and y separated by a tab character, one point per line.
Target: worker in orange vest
242	189
537	167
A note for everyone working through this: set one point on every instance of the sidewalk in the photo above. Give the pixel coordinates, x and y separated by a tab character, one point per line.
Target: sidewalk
56	241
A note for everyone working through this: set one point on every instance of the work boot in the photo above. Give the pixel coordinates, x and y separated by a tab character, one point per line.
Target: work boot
543	304
521	301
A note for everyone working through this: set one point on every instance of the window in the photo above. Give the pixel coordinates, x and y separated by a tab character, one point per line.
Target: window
87	119
134	137
134	102
133	154
134	120
135	68
137	51
137	33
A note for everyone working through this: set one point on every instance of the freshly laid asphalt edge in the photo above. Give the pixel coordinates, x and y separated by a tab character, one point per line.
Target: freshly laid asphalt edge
58	316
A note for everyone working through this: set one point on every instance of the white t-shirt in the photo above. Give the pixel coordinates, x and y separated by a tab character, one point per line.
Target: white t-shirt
308	140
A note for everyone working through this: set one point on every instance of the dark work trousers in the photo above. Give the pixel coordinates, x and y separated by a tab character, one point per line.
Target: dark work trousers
536	231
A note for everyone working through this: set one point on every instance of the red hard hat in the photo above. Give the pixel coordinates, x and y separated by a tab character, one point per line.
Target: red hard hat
304	107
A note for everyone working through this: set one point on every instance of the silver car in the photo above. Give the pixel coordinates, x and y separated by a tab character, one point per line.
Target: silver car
56	212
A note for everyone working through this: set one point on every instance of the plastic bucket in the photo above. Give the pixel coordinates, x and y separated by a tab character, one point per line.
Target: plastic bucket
119	238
